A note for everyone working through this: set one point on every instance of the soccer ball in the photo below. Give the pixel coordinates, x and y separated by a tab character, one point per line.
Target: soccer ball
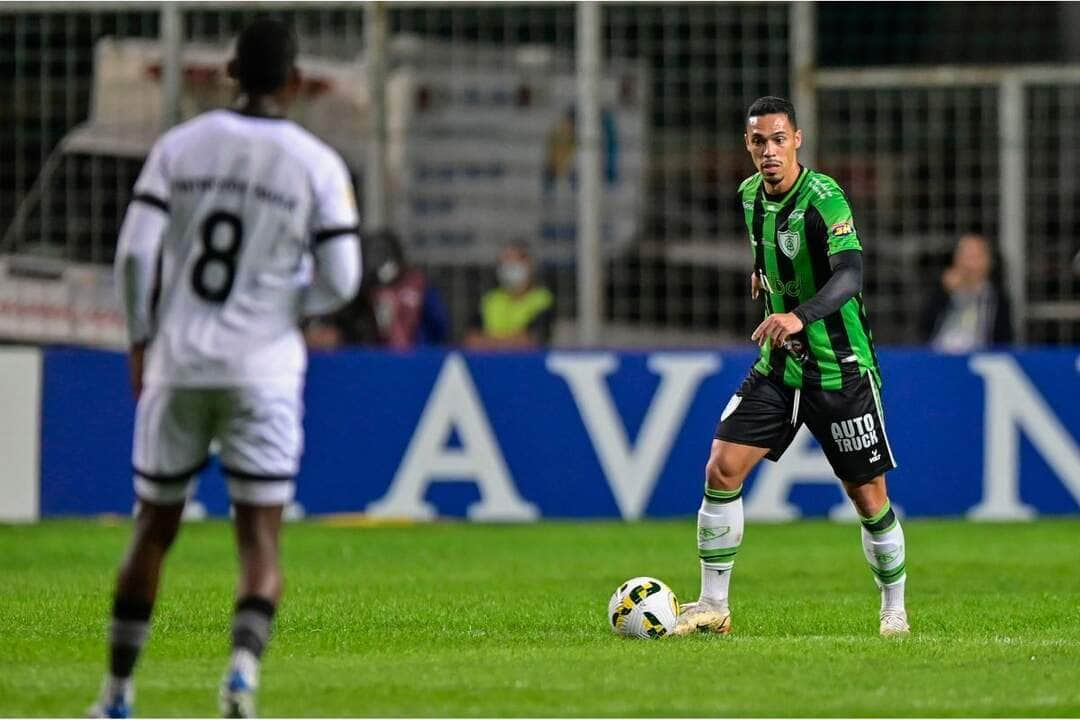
643	607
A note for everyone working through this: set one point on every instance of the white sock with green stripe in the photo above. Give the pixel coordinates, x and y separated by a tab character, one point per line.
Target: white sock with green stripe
720	531
883	545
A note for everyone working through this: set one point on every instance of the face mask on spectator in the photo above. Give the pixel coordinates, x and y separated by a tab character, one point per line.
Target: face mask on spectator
513	276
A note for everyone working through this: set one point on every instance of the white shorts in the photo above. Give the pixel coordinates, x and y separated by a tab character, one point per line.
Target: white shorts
258	430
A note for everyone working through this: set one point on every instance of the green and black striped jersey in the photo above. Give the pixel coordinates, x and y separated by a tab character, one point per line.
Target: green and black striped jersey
792	236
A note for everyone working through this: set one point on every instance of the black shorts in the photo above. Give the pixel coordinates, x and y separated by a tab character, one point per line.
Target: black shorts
848	423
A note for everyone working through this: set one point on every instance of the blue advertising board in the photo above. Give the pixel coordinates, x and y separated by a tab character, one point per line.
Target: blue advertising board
595	434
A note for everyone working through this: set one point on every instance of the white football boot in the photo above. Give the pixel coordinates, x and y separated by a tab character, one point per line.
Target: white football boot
237	695
894	623
113	702
702	616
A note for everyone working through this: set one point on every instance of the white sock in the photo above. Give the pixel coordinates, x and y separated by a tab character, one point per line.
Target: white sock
245	662
892	596
883	546
720	532
715	579
118	686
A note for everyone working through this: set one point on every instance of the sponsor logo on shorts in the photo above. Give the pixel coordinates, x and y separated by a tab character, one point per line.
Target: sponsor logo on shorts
856	434
875	456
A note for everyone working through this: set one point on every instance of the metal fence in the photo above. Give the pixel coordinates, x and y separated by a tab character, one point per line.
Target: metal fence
463	126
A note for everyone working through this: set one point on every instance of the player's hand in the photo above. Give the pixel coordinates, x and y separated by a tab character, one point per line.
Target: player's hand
755	285
776	329
135	367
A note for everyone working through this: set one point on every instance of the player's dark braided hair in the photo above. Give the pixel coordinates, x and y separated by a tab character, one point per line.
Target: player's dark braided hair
771	105
265	55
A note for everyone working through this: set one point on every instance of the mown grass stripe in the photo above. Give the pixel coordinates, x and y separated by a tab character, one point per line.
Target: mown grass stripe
520	612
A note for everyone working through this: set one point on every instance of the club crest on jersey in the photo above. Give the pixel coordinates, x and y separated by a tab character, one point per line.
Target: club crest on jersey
788	242
841	229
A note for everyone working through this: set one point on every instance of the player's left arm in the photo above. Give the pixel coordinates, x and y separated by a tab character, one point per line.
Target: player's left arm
833	219
836	222
137	252
845	283
335	242
337	273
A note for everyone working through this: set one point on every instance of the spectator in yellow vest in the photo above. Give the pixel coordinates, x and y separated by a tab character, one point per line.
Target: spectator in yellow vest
518	314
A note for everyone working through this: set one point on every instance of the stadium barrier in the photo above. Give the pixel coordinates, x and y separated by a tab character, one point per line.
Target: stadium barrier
566	435
20	388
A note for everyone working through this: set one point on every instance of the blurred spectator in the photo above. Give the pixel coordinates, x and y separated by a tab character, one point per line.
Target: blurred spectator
968	311
519	313
396	308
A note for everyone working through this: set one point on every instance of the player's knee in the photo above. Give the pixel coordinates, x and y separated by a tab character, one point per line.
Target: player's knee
722	474
869	497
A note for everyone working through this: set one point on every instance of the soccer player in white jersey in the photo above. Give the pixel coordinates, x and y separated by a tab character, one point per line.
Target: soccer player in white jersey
242	223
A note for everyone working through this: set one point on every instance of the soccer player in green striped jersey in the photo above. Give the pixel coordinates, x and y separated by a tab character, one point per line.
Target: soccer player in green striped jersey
817	366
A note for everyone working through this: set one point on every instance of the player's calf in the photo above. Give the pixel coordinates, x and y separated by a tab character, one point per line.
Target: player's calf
883	546
720	531
128	631
156	527
252	623
719	535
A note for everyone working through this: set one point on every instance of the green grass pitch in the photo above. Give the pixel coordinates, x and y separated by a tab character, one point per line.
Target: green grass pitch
460	620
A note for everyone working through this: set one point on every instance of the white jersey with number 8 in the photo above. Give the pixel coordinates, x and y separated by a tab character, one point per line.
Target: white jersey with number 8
247	199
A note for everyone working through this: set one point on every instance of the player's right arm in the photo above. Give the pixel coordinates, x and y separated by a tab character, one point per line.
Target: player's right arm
755	283
137	254
335	243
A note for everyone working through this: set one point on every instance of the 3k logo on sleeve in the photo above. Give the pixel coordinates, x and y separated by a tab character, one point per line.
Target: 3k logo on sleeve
842	229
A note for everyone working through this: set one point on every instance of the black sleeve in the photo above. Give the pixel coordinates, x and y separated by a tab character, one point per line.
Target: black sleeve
845	283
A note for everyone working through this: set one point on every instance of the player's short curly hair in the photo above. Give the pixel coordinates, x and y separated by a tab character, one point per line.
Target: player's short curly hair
772	105
265	56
